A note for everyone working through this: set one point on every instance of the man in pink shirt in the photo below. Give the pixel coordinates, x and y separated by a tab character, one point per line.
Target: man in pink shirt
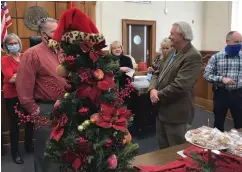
38	87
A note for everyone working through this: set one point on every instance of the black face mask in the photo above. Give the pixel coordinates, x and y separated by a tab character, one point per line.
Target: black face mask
48	37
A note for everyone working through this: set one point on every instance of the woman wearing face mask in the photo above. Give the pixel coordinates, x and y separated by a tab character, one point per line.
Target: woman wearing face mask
12	46
125	62
165	47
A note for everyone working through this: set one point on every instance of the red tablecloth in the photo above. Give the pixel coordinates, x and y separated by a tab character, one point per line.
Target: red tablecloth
179	165
225	163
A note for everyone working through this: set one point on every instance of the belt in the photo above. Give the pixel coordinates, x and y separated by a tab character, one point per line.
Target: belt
222	88
45	101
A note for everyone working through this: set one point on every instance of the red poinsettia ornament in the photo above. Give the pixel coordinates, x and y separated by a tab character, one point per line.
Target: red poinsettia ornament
87	91
77	159
113	118
58	130
107	82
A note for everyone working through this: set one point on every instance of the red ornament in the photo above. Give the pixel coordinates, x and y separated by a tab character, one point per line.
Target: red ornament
98	74
57	104
107	82
70	61
68	87
112	162
94	118
109	143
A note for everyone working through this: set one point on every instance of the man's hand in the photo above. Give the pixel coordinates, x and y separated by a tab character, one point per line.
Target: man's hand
125	69
227	81
150	69
154	96
36	112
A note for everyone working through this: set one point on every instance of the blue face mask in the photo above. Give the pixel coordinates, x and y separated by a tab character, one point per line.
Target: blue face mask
13	48
233	50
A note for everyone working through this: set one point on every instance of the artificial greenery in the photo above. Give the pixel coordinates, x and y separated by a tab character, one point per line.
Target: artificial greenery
72	117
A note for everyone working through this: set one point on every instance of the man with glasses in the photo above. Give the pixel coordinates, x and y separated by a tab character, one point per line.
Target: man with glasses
224	70
38	87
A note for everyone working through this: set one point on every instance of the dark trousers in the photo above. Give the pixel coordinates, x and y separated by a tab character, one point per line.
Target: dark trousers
14	127
224	100
41	164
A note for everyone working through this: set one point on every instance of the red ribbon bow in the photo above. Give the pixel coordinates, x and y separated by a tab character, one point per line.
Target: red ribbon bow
95	51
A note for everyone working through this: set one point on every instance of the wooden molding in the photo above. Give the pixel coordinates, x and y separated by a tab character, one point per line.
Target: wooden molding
152	35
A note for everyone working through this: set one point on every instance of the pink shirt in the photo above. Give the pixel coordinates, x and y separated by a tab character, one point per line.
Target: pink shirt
37	78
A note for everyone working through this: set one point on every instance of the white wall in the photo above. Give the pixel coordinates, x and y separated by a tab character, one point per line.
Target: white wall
217	23
109	17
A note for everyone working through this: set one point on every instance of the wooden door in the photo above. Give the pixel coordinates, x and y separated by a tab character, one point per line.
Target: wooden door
139	39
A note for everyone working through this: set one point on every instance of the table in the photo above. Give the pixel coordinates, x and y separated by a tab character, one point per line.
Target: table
160	157
145	112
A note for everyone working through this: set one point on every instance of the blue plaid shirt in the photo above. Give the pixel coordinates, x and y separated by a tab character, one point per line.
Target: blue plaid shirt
221	65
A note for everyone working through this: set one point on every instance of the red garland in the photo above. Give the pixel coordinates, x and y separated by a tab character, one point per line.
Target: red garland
34	118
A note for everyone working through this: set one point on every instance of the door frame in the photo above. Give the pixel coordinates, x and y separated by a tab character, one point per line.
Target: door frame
152	35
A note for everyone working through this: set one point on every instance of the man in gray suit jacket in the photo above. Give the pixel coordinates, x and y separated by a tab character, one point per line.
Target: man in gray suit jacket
172	87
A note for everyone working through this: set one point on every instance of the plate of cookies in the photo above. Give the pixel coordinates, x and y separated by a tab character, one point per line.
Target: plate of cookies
209	138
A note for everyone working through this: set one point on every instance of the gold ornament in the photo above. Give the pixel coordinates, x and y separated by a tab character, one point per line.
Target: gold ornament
86	123
62	71
80	128
66	95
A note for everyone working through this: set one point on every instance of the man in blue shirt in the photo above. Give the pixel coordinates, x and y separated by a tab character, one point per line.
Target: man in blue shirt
224	70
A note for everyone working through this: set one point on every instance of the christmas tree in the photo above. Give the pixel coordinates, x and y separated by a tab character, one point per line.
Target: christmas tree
90	123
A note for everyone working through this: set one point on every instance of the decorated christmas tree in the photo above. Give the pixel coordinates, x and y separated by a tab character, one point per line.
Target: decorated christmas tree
90	123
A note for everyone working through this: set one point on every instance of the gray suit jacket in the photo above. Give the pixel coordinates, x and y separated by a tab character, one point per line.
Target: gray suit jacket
175	83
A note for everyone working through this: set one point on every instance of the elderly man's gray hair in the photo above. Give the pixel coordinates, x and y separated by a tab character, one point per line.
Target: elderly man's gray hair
186	29
41	24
